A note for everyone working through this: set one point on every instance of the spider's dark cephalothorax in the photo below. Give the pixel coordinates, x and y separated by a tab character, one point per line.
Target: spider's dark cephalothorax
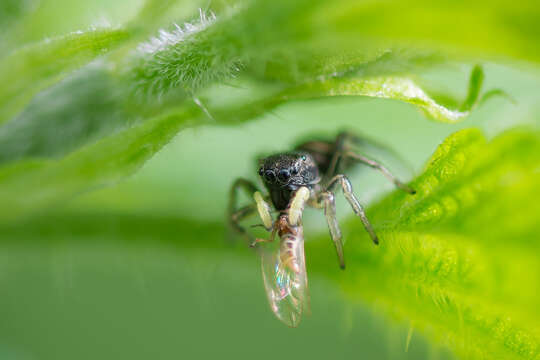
283	174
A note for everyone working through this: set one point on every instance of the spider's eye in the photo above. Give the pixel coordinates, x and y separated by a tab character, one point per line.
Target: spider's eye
269	176
284	175
303	158
261	171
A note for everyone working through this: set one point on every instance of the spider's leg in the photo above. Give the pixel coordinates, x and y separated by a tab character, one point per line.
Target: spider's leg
326	200
339	147
377	166
346	141
346	186
236	215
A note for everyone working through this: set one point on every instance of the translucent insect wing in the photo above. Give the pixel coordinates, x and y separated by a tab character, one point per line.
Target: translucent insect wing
286	289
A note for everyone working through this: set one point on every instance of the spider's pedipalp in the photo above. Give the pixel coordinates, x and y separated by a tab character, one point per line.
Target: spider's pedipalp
263	209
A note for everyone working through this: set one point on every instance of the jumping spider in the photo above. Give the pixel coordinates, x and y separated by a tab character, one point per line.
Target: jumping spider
307	175
314	165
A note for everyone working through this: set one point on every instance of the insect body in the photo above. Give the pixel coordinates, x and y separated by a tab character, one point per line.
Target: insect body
284	273
306	176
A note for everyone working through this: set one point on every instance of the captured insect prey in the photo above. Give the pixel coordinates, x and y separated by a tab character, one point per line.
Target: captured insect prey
308	175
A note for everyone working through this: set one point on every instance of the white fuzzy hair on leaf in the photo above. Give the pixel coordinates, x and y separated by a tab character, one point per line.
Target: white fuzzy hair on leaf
167	38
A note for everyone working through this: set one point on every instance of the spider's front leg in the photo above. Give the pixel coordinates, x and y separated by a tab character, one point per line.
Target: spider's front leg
326	201
346	186
236	215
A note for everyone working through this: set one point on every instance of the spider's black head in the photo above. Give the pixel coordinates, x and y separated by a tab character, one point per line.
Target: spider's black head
289	170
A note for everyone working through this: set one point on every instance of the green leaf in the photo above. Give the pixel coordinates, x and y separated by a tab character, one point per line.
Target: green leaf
31	69
10	11
78	172
436	24
390	87
190	58
84	110
453	254
34	134
81	108
31	185
396	88
300	34
475	85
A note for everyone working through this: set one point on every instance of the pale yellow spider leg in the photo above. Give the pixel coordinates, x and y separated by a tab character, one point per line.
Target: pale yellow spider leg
296	206
264	210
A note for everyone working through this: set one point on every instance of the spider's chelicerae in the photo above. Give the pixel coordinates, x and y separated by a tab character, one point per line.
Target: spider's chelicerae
307	175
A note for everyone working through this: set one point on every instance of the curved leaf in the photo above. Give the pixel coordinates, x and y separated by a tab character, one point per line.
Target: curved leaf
51	181
31	185
299	35
31	69
396	88
453	254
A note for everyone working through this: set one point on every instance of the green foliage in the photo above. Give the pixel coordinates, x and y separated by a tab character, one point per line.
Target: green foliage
190	58
116	156
86	108
452	269
31	69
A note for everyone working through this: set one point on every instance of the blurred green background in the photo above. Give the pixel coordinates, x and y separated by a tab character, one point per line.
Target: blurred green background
143	267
